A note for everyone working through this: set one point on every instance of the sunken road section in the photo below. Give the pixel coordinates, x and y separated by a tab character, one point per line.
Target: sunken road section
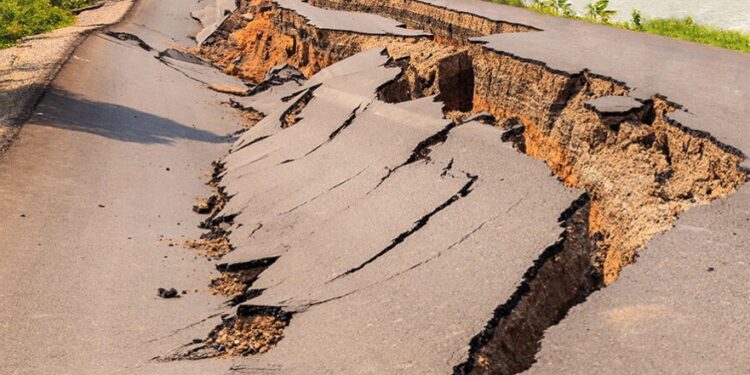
392	208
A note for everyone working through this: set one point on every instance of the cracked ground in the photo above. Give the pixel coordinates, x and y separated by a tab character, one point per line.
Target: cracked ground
377	187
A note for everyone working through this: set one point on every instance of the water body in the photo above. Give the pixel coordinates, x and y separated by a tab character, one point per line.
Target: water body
727	14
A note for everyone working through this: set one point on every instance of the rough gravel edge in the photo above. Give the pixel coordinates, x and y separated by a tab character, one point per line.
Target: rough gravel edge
24	96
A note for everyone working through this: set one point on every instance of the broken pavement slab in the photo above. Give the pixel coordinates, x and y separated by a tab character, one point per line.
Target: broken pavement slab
614	105
212	17
359	234
201	71
436	269
708	83
361	23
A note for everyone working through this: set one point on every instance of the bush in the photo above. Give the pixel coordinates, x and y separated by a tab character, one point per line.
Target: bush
599	11
636	20
515	3
554	7
70	4
20	18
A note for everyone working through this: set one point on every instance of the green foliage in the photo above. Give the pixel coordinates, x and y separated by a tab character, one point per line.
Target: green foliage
70	4
636	20
687	29
515	3
554	7
598	11
20	18
565	8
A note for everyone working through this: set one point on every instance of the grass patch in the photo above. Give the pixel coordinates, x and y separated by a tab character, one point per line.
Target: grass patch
21	18
687	30
598	12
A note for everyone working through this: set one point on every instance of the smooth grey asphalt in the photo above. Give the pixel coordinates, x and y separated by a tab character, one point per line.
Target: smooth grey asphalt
100	182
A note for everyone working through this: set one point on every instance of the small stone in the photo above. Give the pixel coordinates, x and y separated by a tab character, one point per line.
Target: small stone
170	293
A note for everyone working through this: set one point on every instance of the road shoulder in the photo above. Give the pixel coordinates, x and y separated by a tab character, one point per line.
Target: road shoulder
28	68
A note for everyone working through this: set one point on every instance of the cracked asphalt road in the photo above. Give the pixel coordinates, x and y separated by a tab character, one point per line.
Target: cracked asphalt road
393	236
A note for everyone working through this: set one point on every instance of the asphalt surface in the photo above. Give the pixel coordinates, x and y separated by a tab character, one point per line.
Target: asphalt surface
100	182
363	23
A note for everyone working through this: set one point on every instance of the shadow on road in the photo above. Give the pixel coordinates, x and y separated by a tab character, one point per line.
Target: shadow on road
64	110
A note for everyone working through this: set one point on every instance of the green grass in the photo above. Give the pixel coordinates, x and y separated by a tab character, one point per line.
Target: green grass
20	18
684	29
687	30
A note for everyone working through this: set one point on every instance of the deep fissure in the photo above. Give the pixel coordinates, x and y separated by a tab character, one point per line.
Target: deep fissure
560	278
291	115
253	330
235	281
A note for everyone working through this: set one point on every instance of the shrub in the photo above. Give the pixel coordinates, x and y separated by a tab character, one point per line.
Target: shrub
20	18
515	3
70	4
598	11
636	20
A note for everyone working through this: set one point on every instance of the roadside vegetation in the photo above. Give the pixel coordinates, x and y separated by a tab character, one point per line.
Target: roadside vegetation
21	18
598	12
